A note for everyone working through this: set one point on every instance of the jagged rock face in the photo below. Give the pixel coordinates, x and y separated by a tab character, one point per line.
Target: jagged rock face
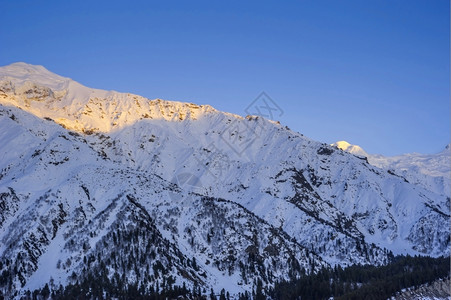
97	182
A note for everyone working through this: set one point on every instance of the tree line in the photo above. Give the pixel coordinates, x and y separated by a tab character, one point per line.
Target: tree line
365	282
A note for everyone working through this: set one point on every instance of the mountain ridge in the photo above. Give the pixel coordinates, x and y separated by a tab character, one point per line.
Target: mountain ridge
239	194
36	88
431	171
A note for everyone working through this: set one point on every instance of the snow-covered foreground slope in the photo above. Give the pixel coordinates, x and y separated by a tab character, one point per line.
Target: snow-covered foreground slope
97	182
431	171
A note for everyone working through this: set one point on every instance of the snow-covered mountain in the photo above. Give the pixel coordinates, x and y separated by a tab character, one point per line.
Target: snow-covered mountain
153	191
431	171
354	149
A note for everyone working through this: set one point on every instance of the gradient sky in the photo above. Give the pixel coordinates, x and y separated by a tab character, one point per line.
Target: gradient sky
374	73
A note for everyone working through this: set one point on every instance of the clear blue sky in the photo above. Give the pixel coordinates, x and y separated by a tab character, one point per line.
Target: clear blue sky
374	73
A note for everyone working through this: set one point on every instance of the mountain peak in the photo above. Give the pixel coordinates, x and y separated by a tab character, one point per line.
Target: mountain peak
77	107
27	67
20	69
354	149
20	73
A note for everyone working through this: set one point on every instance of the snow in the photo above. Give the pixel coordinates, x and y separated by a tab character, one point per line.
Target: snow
354	149
431	171
271	179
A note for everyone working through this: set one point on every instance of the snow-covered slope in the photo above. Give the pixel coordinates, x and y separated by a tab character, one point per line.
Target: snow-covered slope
87	176
431	171
79	108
